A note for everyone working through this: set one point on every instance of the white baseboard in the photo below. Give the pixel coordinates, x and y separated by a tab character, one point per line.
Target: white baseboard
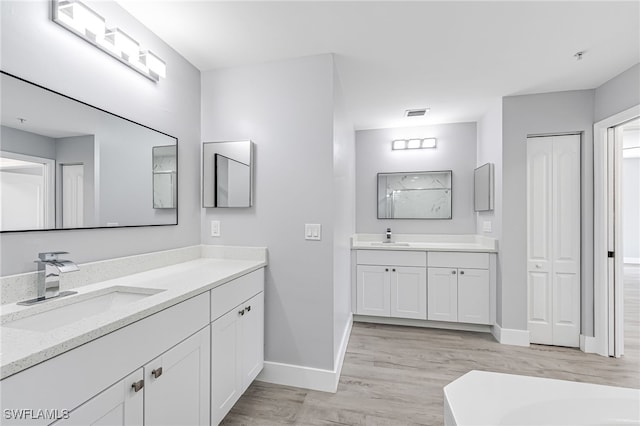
510	336
588	344
632	260
308	377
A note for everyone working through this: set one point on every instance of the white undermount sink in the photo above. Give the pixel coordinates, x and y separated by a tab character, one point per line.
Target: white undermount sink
58	313
384	244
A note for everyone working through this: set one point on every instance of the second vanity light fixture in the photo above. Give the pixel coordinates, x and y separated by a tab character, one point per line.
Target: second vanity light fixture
84	22
413	143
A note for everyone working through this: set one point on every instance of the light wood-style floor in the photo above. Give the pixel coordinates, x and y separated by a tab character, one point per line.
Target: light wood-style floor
394	375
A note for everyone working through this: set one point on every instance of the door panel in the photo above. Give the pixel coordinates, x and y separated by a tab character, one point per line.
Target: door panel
442	291
473	296
409	292
252	339
226	374
72	195
373	291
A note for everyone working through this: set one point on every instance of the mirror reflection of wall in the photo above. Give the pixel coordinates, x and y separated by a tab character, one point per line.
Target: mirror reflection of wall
418	195
94	164
227	174
164	177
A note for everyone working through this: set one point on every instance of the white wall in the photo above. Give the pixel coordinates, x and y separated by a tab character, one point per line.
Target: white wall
490	151
286	108
344	212
27	143
618	94
456	151
631	209
35	48
546	113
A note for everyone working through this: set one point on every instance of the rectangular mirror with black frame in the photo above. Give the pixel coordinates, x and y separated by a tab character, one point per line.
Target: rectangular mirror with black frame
415	195
483	188
65	164
227	174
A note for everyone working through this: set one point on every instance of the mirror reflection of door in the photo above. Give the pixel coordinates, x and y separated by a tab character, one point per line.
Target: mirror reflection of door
72	195
233	182
26	185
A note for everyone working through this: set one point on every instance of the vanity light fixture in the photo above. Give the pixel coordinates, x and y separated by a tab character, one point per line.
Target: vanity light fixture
81	20
413	143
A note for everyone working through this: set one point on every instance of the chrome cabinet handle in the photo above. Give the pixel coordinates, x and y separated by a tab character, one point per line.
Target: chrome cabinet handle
138	385
393	270
157	372
386	269
241	312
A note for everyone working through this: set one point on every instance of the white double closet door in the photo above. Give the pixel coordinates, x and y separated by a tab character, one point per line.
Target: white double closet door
553	239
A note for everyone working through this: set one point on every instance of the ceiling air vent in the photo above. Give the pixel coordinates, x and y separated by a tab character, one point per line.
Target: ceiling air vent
416	112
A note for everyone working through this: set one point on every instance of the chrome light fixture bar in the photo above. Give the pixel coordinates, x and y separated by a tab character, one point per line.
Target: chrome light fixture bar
413	143
78	18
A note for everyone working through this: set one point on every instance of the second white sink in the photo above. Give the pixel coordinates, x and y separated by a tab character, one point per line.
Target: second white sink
51	315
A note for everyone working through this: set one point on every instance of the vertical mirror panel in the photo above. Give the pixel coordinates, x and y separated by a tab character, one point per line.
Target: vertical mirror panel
416	195
65	164
483	188
227	174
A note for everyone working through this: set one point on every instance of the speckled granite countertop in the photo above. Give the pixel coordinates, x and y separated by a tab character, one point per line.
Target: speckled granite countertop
425	242
21	349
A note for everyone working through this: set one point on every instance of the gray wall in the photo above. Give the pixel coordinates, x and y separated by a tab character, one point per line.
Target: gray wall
286	109
38	50
618	94
631	209
21	142
456	151
490	151
344	212
530	115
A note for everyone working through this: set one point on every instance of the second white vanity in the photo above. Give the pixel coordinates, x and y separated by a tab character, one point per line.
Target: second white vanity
426	280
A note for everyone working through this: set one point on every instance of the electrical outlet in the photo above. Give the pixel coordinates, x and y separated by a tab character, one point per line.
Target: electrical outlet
215	228
486	226
313	231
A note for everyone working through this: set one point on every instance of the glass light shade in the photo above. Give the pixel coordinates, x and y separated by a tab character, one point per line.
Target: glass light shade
428	143
154	64
399	144
413	143
81	18
127	47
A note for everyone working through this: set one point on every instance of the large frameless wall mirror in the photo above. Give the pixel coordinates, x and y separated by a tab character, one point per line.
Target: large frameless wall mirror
227	174
65	164
483	188
416	195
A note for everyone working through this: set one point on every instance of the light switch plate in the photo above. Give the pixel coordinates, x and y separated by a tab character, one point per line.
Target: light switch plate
313	231
215	228
486	226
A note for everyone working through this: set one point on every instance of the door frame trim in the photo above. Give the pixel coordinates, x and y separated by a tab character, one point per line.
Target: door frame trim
602	314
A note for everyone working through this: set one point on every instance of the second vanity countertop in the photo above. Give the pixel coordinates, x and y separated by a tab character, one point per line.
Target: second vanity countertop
425	242
21	349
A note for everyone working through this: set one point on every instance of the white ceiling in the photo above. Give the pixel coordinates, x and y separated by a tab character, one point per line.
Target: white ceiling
453	57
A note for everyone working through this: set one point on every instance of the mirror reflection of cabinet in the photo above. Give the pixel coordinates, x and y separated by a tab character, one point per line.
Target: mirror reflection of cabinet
164	177
227	174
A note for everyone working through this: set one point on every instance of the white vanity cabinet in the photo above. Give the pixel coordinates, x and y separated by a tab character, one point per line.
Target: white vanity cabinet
391	284
459	287
237	340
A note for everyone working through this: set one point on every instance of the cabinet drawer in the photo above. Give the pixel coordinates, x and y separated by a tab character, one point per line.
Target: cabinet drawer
391	258
444	259
231	294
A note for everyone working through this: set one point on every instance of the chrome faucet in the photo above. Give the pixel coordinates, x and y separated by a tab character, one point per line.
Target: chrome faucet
388	240
49	270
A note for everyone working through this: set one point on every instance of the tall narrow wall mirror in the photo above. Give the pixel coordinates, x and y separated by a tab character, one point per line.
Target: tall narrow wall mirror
65	164
227	174
483	188
416	195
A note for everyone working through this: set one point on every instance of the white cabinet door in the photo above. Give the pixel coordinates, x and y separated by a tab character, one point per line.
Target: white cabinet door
409	292
473	296
226	364
177	384
442	291
252	346
118	405
373	290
